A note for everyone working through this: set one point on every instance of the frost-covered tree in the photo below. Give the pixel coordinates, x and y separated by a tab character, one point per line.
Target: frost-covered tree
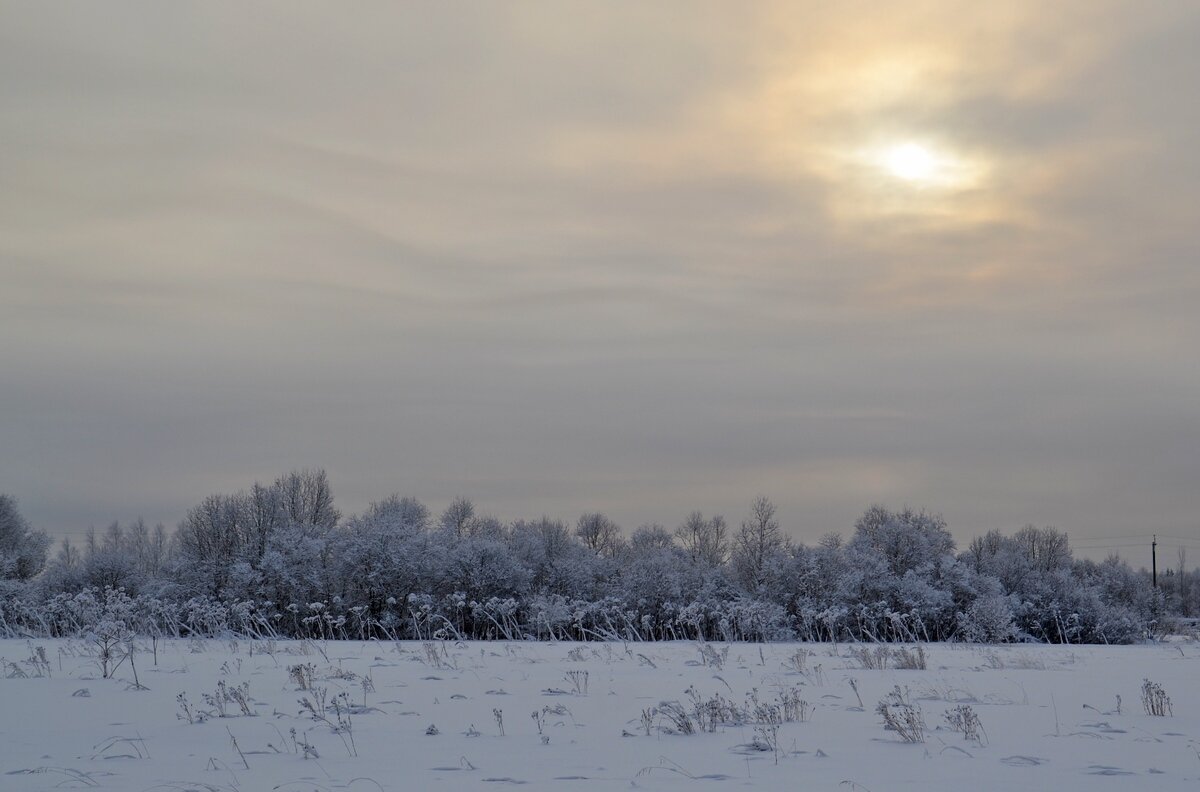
909	586
1055	598
1046	549
410	512
650	537
557	562
1123	606
109	562
224	533
63	574
381	555
213	536
906	540
488	527
988	619
756	544
458	517
22	549
130	557
599	534
292	571
481	567
147	547
278	559
306	499
706	541
655	577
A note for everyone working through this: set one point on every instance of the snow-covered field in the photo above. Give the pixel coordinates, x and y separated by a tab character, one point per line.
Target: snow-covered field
572	717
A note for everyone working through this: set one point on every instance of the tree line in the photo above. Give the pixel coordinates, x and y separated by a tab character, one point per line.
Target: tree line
279	559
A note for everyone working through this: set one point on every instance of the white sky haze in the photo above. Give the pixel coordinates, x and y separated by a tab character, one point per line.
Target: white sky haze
641	258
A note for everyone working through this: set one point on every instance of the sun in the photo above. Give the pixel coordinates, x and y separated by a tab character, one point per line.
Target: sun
908	174
911	162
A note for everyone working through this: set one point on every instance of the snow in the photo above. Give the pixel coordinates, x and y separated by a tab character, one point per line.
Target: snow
1049	715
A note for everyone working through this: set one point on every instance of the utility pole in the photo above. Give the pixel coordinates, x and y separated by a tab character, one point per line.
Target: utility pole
1154	560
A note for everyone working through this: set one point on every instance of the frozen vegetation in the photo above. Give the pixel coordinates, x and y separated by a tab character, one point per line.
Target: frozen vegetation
270	643
280	561
117	713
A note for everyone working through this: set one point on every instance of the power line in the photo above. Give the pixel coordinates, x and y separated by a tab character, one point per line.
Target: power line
1146	540
1121	537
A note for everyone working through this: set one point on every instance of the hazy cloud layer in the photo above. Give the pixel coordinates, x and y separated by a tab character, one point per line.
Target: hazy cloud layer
562	256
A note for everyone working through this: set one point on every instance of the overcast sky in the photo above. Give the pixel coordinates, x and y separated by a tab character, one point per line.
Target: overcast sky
638	257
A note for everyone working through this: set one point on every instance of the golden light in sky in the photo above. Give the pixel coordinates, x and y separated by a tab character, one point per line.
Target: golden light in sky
930	168
926	177
912	162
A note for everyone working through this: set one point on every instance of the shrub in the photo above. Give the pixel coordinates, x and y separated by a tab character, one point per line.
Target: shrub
963	719
902	717
909	659
1155	700
871	659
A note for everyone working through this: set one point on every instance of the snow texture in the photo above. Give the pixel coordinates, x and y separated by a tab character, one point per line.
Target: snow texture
362	716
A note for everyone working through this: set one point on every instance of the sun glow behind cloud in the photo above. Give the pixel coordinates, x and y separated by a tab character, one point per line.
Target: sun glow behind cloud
885	177
913	162
924	166
494	197
872	136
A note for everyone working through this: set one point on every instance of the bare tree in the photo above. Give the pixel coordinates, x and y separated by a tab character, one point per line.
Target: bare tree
705	541
458	517
307	499
599	534
68	556
757	540
650	537
265	515
1047	548
214	530
1184	609
159	547
487	527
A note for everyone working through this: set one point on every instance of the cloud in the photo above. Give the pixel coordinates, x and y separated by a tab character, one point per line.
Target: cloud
563	257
